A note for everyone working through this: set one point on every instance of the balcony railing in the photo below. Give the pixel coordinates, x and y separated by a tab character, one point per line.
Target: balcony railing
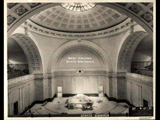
20	79
140	78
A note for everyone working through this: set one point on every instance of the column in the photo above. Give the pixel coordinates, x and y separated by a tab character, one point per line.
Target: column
131	101
9	104
129	91
151	100
45	88
22	92
29	101
114	85
121	86
20	101
107	85
140	96
53	92
50	86
135	94
39	86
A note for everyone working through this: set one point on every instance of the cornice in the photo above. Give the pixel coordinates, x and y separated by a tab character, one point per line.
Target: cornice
116	74
89	35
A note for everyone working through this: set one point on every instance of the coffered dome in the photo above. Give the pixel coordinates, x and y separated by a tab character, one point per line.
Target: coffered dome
66	20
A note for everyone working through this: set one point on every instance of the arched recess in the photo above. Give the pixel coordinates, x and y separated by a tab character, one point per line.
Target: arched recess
31	51
127	50
52	65
80	52
142	13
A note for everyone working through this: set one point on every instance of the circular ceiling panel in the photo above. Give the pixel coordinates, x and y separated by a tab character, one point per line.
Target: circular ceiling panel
60	19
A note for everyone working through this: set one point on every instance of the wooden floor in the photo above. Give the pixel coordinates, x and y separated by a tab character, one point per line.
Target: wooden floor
57	106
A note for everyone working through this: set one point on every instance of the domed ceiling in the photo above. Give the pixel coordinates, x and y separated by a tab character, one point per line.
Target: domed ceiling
63	19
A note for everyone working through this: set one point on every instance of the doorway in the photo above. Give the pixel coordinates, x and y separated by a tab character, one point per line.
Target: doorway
145	103
15	108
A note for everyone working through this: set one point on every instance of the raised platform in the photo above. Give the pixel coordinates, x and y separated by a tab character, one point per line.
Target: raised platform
101	105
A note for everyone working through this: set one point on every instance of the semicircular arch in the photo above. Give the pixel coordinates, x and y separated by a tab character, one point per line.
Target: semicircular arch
31	51
52	65
127	50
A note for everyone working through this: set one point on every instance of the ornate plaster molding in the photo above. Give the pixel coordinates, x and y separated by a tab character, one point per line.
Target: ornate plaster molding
127	50
90	35
31	51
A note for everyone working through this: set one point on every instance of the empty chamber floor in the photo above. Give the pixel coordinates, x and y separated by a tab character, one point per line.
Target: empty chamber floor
57	106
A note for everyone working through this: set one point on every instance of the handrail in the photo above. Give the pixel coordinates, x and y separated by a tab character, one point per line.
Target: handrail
20	79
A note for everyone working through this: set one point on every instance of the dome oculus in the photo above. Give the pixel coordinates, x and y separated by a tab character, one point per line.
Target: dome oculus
79	7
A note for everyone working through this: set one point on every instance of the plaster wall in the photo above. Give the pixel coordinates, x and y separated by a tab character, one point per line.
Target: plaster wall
110	45
47	46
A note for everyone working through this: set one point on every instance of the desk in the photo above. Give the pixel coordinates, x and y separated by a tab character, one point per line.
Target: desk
79	102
